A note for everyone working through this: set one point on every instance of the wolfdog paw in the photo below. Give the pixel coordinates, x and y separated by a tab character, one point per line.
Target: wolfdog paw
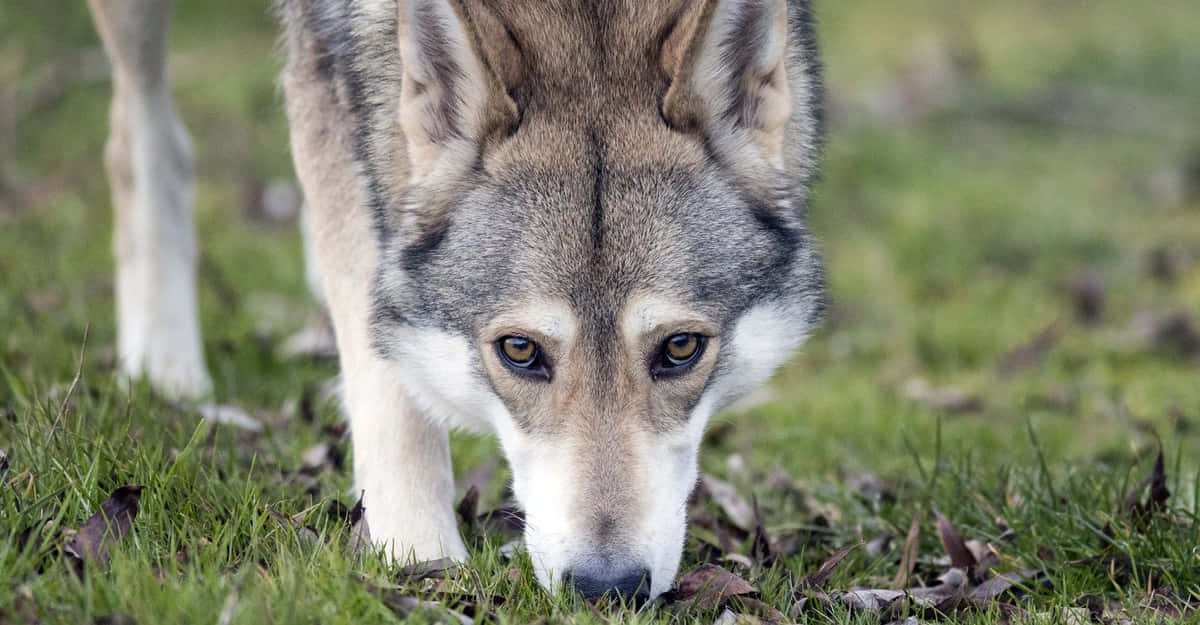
175	378
425	544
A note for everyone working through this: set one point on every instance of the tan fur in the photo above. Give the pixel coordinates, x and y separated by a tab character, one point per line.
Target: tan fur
596	176
409	479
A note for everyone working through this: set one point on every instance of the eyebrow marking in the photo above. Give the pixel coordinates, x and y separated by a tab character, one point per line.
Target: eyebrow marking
644	314
551	318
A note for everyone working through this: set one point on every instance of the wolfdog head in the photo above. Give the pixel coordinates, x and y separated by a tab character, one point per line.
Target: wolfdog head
592	217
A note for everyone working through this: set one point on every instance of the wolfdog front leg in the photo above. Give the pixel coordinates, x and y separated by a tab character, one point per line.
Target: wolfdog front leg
401	458
149	162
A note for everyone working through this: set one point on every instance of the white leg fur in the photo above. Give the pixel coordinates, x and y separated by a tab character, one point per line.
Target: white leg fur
401	458
149	162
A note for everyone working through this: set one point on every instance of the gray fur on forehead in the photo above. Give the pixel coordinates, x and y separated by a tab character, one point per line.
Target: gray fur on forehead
591	230
690	231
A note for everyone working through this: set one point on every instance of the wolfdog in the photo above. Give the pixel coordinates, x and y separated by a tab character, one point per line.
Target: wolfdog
578	225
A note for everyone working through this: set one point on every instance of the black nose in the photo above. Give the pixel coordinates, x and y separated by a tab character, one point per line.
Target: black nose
595	582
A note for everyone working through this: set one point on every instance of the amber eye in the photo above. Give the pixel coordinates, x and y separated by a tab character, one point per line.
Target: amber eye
678	354
523	357
681	348
519	352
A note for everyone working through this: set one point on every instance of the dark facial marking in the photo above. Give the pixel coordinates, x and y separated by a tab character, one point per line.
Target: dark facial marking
599	184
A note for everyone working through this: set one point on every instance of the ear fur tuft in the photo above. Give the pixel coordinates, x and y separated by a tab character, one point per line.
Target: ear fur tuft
726	60
457	58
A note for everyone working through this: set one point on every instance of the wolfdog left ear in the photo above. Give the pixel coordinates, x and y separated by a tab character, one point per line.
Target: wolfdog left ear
459	63
726	60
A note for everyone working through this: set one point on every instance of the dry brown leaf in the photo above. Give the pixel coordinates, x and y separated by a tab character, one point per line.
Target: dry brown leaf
818	579
360	534
960	556
441	568
871	600
1158	496
707	586
908	557
107	526
998	585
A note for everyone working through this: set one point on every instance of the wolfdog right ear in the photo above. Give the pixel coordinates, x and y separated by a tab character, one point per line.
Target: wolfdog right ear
727	63
459	63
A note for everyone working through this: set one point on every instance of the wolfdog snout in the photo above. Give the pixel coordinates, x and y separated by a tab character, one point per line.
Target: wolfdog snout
596	579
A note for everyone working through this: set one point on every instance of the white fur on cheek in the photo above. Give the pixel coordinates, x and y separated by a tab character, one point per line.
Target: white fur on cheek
763	338
439	372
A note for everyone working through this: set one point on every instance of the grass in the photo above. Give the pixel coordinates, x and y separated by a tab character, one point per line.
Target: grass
1037	143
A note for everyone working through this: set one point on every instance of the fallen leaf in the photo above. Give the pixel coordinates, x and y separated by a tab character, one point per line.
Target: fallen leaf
707	586
107	526
360	534
1159	493
998	585
908	557
730	501
441	568
817	580
960	556
869	600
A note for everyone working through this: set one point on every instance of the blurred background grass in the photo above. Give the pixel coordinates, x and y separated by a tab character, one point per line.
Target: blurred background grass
990	166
